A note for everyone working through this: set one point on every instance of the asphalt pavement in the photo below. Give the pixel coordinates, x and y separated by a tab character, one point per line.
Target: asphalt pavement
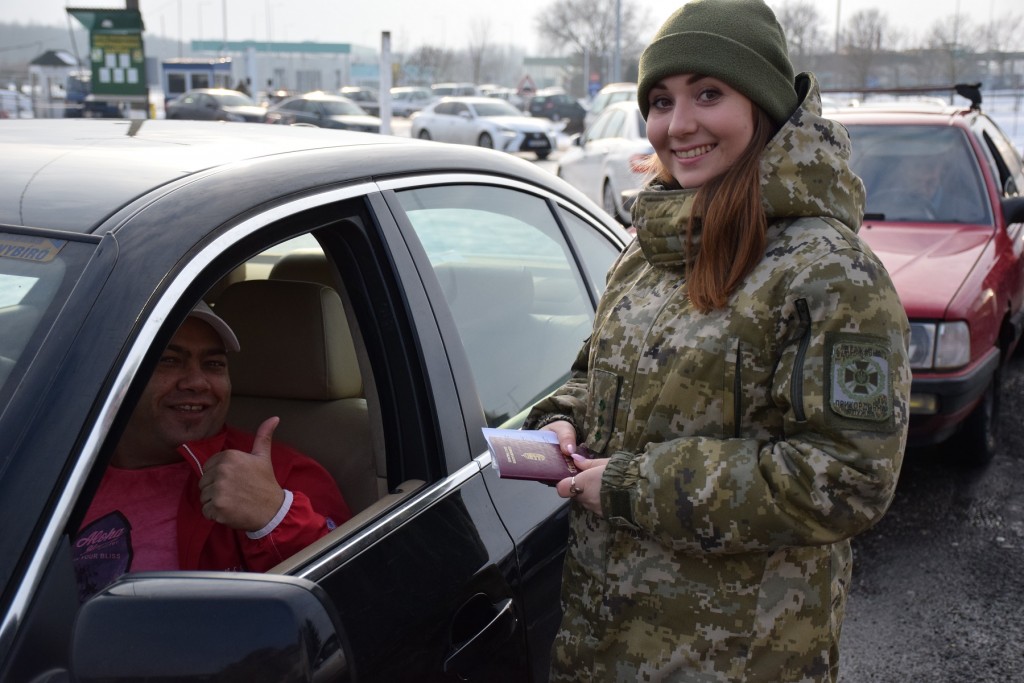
938	584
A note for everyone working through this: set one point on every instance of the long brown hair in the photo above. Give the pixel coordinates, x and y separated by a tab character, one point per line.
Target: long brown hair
734	225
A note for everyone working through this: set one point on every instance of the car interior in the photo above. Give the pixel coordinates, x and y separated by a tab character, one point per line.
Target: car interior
304	368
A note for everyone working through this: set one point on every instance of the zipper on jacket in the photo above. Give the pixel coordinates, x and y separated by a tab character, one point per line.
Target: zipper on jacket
737	403
796	388
193	456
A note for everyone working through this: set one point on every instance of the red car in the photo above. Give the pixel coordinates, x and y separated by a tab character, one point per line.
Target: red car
945	213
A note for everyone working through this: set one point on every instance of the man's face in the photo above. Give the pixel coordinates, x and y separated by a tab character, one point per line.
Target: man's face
188	395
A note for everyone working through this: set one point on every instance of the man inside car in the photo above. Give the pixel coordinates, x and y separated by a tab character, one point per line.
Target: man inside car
184	490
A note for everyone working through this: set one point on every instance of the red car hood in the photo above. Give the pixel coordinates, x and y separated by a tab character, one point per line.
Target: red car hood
928	264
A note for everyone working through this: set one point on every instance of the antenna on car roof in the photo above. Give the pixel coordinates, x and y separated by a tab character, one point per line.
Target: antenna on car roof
971	91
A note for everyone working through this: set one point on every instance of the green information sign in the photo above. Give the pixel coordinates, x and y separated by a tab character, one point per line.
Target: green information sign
115	50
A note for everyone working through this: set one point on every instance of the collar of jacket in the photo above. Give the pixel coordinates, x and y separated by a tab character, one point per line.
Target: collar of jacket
804	172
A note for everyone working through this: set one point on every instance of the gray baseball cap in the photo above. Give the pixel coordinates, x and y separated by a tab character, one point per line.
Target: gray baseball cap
206	314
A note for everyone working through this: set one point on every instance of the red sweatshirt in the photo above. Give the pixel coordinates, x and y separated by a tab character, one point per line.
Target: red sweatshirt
317	508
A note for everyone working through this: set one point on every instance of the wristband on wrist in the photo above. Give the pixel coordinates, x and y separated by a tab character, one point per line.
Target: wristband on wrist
286	505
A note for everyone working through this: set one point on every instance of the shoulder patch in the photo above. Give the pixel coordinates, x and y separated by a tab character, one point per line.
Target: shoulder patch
859	382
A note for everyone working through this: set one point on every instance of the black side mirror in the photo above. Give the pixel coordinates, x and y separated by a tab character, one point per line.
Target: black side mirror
1013	209
208	626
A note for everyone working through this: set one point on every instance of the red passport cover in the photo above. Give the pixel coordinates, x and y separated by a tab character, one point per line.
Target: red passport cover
526	454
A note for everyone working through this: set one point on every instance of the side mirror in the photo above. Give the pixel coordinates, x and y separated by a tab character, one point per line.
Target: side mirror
465	114
578	140
208	626
1013	209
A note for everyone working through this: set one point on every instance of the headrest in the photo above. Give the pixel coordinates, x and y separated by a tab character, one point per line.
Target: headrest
295	341
308	265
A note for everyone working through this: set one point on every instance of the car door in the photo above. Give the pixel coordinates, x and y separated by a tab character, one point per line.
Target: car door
449	573
461	124
596	145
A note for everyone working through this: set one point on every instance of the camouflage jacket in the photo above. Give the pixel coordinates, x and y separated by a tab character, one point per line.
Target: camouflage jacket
746	445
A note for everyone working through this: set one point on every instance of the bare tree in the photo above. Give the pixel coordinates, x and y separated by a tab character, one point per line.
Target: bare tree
429	64
949	40
588	27
479	46
1000	37
863	37
802	21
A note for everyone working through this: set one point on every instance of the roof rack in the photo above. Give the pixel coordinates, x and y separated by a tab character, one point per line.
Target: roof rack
972	91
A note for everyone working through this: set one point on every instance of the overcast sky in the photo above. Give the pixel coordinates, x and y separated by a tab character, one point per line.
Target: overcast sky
438	22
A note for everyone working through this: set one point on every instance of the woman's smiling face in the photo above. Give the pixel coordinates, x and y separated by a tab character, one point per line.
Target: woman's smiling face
698	126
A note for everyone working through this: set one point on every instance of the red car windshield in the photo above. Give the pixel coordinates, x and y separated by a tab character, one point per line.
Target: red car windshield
920	174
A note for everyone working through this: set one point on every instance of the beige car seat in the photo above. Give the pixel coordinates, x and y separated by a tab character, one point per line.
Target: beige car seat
297	361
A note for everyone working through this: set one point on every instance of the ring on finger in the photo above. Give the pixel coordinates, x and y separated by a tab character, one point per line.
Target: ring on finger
573	489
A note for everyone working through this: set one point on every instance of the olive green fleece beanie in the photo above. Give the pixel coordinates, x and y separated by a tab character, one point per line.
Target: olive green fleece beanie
737	41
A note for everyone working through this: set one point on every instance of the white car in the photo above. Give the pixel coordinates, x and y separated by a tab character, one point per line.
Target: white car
603	162
609	94
486	122
406	100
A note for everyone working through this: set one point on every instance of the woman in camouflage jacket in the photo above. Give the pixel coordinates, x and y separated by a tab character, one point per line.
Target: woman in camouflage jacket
748	413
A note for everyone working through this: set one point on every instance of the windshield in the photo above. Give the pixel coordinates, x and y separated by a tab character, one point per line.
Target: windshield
233	100
496	108
341	108
33	285
919	173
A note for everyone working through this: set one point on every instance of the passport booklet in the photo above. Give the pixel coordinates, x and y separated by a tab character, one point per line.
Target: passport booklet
528	454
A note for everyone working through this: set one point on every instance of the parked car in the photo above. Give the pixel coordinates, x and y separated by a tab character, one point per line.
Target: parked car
609	94
367	98
510	95
454	90
406	100
409	294
946	216
215	104
322	111
486	122
606	160
556	105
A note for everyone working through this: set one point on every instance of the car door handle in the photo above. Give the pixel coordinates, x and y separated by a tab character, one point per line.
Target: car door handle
478	629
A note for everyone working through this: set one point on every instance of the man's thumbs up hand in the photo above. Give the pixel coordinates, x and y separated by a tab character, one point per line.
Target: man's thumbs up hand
238	489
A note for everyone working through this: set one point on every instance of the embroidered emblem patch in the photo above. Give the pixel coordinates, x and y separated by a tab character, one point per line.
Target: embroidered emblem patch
860	387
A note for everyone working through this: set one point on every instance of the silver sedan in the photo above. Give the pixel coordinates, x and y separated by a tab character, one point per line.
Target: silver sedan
486	122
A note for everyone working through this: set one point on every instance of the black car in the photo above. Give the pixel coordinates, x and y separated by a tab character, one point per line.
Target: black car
368	99
322	111
215	104
558	106
446	288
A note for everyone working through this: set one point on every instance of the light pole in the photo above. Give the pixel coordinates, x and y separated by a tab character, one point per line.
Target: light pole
839	12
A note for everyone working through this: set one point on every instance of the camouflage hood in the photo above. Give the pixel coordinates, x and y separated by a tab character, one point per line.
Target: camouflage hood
804	172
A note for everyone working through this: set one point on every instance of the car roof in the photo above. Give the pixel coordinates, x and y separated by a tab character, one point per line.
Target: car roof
215	91
73	174
618	87
901	113
470	99
320	95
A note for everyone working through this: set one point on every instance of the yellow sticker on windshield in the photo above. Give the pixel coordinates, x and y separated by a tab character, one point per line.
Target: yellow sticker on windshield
38	249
